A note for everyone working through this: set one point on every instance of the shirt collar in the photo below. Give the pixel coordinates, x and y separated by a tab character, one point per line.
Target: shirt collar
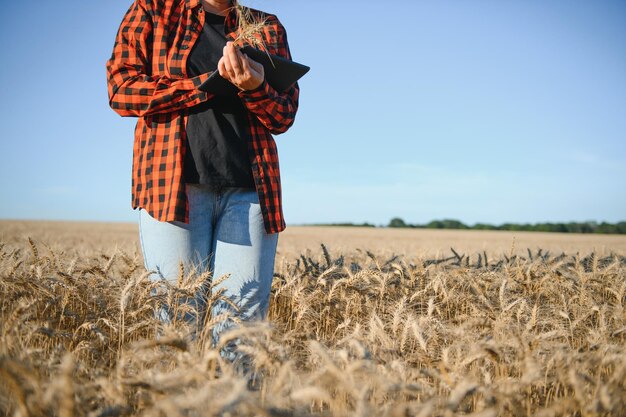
195	3
231	16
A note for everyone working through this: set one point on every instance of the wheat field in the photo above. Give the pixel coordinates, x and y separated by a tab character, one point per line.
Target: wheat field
362	322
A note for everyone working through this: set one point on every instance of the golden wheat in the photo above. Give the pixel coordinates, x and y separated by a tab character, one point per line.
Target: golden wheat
359	334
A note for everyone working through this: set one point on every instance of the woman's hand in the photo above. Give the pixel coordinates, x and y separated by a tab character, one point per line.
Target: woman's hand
240	70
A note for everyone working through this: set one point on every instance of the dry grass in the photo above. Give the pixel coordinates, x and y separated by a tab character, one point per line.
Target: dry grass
82	238
414	243
522	333
250	28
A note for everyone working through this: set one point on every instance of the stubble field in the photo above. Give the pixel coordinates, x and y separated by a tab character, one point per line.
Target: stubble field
375	323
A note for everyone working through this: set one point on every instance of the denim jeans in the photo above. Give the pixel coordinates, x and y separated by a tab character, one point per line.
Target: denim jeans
225	235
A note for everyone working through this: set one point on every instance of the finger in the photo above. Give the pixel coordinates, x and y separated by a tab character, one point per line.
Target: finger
221	68
233	57
254	66
230	74
245	64
250	71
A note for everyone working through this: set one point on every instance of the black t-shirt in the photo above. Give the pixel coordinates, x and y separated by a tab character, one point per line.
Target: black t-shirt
217	151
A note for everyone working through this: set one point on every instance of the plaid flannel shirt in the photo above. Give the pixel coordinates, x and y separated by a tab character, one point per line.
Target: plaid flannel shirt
147	78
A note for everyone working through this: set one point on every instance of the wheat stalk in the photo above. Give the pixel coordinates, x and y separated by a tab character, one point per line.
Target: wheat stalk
373	336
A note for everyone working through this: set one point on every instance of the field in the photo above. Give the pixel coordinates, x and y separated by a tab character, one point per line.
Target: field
374	323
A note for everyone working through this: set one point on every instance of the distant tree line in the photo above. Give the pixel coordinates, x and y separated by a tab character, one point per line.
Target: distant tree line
346	224
571	227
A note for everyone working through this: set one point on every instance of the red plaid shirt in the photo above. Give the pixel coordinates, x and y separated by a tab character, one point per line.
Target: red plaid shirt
147	78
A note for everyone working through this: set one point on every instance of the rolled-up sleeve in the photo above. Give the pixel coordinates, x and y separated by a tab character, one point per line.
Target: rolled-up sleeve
132	89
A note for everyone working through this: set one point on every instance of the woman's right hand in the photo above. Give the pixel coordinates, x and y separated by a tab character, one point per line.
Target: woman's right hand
239	69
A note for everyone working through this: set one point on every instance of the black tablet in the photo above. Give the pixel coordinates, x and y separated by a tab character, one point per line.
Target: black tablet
280	73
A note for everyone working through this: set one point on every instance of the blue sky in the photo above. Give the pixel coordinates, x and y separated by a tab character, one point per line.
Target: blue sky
483	111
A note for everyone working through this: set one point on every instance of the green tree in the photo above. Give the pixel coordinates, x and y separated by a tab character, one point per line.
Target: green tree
484	226
453	224
607	228
435	224
397	222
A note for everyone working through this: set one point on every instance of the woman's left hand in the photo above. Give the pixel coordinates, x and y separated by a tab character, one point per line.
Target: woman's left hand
240	70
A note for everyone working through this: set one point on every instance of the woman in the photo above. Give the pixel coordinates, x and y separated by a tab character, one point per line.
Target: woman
205	167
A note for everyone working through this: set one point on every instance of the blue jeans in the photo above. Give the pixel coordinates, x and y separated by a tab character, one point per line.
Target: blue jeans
226	236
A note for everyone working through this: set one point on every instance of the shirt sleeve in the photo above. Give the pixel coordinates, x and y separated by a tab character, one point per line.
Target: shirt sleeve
275	110
133	91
